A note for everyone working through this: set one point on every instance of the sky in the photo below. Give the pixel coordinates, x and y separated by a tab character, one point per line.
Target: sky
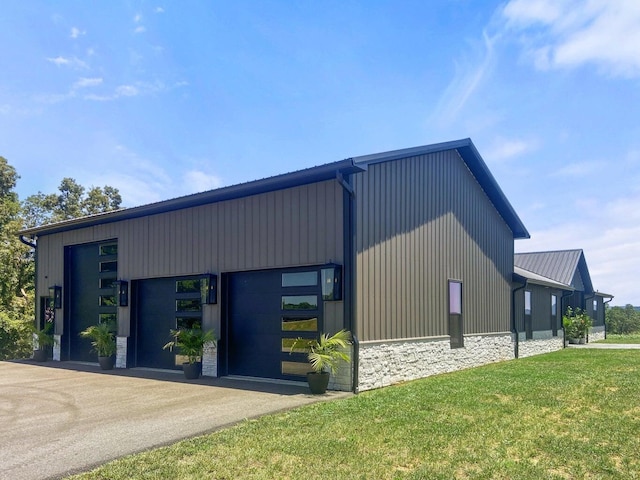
164	98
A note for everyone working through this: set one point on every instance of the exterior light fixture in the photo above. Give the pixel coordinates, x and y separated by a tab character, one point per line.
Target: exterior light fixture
209	289
331	276
123	293
55	296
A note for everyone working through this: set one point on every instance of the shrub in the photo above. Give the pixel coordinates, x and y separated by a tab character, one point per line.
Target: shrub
576	323
16	339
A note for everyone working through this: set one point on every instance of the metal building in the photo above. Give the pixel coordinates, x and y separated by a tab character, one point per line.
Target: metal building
410	250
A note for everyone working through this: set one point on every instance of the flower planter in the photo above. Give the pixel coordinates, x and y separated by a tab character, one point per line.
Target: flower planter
318	382
40	355
106	363
191	370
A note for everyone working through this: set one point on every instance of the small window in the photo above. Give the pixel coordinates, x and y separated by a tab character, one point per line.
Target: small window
455	298
301	347
183	323
300	279
299	302
295	368
108	266
188	305
108	318
456	326
108	282
300	324
595	306
110	249
554	305
107	300
527	302
188	286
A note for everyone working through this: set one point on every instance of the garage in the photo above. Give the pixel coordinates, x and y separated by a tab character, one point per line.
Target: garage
163	304
267	311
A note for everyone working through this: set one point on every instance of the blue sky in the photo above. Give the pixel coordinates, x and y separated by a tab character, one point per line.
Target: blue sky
162	99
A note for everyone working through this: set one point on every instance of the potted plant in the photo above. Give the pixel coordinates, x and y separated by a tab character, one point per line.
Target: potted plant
190	342
104	343
44	339
325	354
576	325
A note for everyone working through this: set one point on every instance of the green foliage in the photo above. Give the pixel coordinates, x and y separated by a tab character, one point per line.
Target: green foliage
576	323
102	339
327	352
72	201
190	342
15	337
45	336
622	320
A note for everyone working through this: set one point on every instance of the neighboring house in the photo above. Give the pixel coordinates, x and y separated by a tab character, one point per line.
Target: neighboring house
411	250
568	269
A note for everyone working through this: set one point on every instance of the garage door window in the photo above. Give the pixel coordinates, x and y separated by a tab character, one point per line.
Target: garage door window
300	302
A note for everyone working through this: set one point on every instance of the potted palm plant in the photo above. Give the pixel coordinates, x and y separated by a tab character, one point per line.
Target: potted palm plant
190	342
325	354
44	339
104	343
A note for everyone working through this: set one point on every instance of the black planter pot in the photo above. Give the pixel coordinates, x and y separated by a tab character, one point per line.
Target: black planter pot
318	382
106	363
191	370
40	355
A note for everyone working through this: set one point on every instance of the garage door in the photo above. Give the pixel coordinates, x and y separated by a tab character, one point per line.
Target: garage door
164	304
92	271
268	310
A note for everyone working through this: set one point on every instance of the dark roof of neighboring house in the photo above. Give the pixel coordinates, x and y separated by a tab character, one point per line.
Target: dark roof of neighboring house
465	148
560	266
520	275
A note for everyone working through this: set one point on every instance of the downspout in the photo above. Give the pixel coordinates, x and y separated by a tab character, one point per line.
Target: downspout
586	302
514	324
562	310
604	306
33	243
349	247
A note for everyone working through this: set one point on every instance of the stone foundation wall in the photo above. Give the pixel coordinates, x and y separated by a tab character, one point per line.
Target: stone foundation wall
343	379
596	333
210	360
388	362
56	347
121	352
542	342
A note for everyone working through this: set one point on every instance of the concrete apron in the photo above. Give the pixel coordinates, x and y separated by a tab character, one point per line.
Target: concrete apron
62	418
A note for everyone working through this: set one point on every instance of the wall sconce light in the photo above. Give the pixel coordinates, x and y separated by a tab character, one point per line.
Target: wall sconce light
55	294
123	293
331	276
209	289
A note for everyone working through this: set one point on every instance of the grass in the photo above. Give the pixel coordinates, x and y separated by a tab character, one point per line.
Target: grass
569	414
613	338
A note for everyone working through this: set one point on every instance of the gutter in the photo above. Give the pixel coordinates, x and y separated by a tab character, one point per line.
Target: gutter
514	324
30	242
349	248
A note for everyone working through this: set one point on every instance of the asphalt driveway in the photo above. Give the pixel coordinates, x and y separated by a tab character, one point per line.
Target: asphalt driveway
59	418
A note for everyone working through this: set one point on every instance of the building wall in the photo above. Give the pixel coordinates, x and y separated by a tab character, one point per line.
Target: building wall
540	308
420	222
291	227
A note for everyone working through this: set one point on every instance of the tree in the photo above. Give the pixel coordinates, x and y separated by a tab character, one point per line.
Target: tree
623	321
72	201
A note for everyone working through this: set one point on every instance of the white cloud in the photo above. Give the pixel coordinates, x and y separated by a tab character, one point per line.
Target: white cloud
197	181
581	169
137	18
159	10
464	84
609	234
87	82
73	62
140	29
76	32
127	91
572	33
505	149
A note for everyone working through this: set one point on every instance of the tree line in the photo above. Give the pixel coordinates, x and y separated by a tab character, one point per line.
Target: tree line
623	320
17	263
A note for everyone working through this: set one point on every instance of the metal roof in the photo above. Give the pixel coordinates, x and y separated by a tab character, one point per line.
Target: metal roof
465	148
538	279
560	266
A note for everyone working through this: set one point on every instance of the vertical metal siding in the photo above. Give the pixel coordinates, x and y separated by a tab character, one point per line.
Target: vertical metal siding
285	228
421	221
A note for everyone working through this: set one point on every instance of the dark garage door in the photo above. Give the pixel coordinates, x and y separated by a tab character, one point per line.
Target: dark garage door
268	310
164	304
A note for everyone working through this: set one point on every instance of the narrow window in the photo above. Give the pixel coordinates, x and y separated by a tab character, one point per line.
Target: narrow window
528	327
554	315
595	306
455	314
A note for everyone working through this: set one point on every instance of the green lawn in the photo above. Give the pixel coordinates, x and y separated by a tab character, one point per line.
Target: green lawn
569	414
612	338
